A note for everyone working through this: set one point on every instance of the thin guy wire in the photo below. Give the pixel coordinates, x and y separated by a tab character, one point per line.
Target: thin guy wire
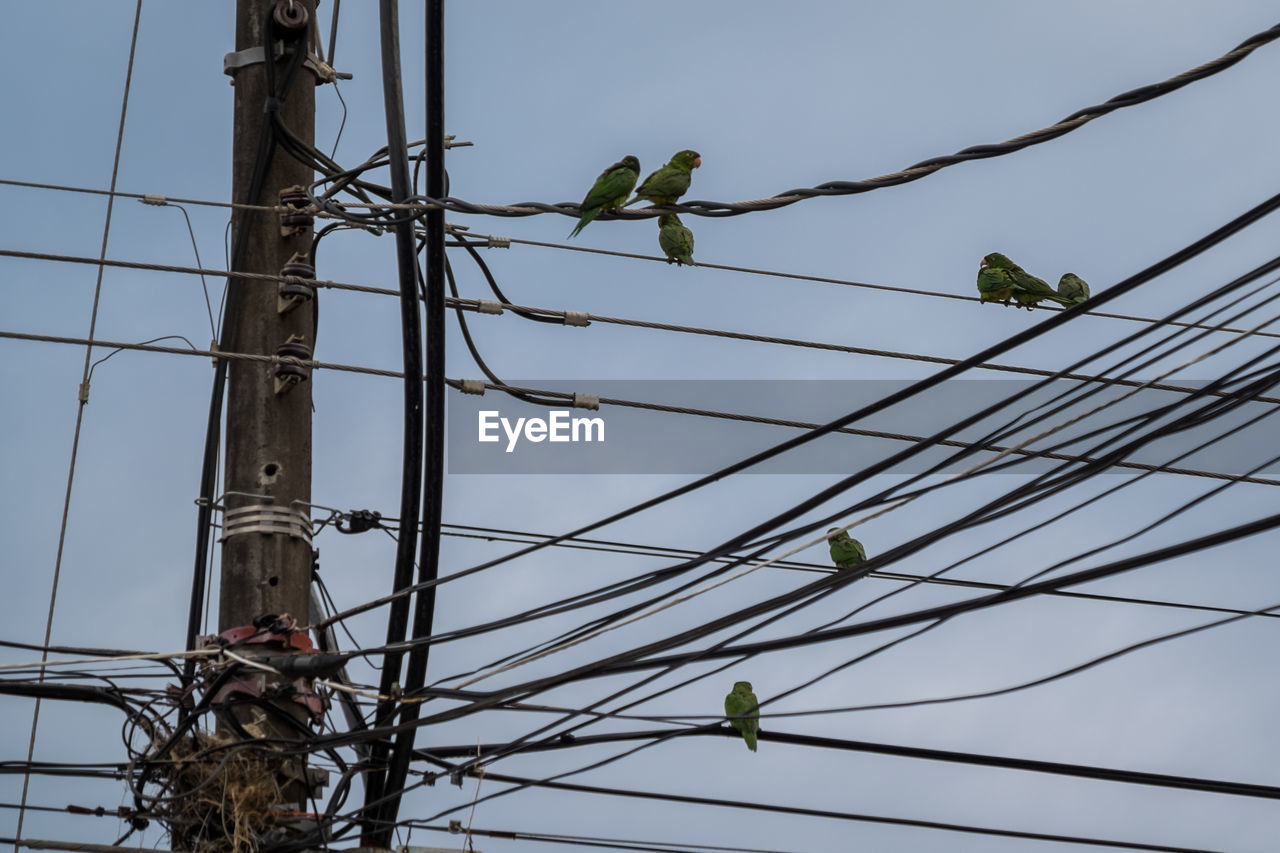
608	401
204	353
493	534
760	419
208	304
83	399
114	193
470	304
841	281
852	350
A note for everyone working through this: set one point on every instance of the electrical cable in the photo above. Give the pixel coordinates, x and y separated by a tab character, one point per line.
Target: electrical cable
379	780
607	546
919	170
434	301
987	354
83	397
836	815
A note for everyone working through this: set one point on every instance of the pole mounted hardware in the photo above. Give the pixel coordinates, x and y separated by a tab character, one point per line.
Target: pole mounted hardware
299	218
291	372
299	283
265	519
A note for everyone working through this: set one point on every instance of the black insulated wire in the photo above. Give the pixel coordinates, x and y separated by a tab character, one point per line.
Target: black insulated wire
433	481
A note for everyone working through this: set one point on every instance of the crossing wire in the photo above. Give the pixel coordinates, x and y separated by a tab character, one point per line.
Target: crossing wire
838	188
622	402
473	304
83	399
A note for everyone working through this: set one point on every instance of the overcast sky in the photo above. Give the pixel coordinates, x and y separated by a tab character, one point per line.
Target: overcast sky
773	96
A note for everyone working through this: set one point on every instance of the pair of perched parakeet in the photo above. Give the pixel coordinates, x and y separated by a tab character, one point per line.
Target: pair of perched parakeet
664	186
1001	280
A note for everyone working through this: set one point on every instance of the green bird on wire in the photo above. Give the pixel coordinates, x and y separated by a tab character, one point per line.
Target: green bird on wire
610	190
671	181
741	703
1073	287
675	239
846	552
1001	280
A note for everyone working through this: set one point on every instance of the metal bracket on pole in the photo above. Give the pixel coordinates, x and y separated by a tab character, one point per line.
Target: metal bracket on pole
234	61
263	518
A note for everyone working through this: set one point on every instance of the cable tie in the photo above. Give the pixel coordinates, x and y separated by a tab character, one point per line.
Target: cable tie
586	401
577	318
473	386
155	199
488	306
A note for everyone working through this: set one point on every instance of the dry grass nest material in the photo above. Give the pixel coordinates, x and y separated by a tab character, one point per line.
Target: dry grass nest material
222	794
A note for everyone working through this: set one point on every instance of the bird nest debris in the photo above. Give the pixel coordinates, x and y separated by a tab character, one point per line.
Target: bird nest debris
221	793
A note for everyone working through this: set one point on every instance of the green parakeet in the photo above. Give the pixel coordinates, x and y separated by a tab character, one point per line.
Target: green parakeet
846	552
741	703
671	181
1000	279
675	239
610	190
1073	287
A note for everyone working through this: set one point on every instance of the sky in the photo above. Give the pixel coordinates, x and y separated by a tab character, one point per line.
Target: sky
550	93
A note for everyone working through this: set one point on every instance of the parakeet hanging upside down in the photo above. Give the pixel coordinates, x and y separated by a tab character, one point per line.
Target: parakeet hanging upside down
675	239
671	181
846	552
741	703
1073	287
610	190
1000	279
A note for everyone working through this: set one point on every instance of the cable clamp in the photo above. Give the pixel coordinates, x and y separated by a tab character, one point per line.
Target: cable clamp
154	199
324	72
586	401
488	306
265	519
577	318
473	386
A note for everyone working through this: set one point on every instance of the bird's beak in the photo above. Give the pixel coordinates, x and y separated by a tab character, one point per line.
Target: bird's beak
697	162
982	263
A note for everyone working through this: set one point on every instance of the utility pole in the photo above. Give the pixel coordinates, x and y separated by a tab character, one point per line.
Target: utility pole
266	568
266	533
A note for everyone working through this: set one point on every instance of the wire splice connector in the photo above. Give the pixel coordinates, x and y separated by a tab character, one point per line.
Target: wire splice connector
586	401
473	386
577	318
488	306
